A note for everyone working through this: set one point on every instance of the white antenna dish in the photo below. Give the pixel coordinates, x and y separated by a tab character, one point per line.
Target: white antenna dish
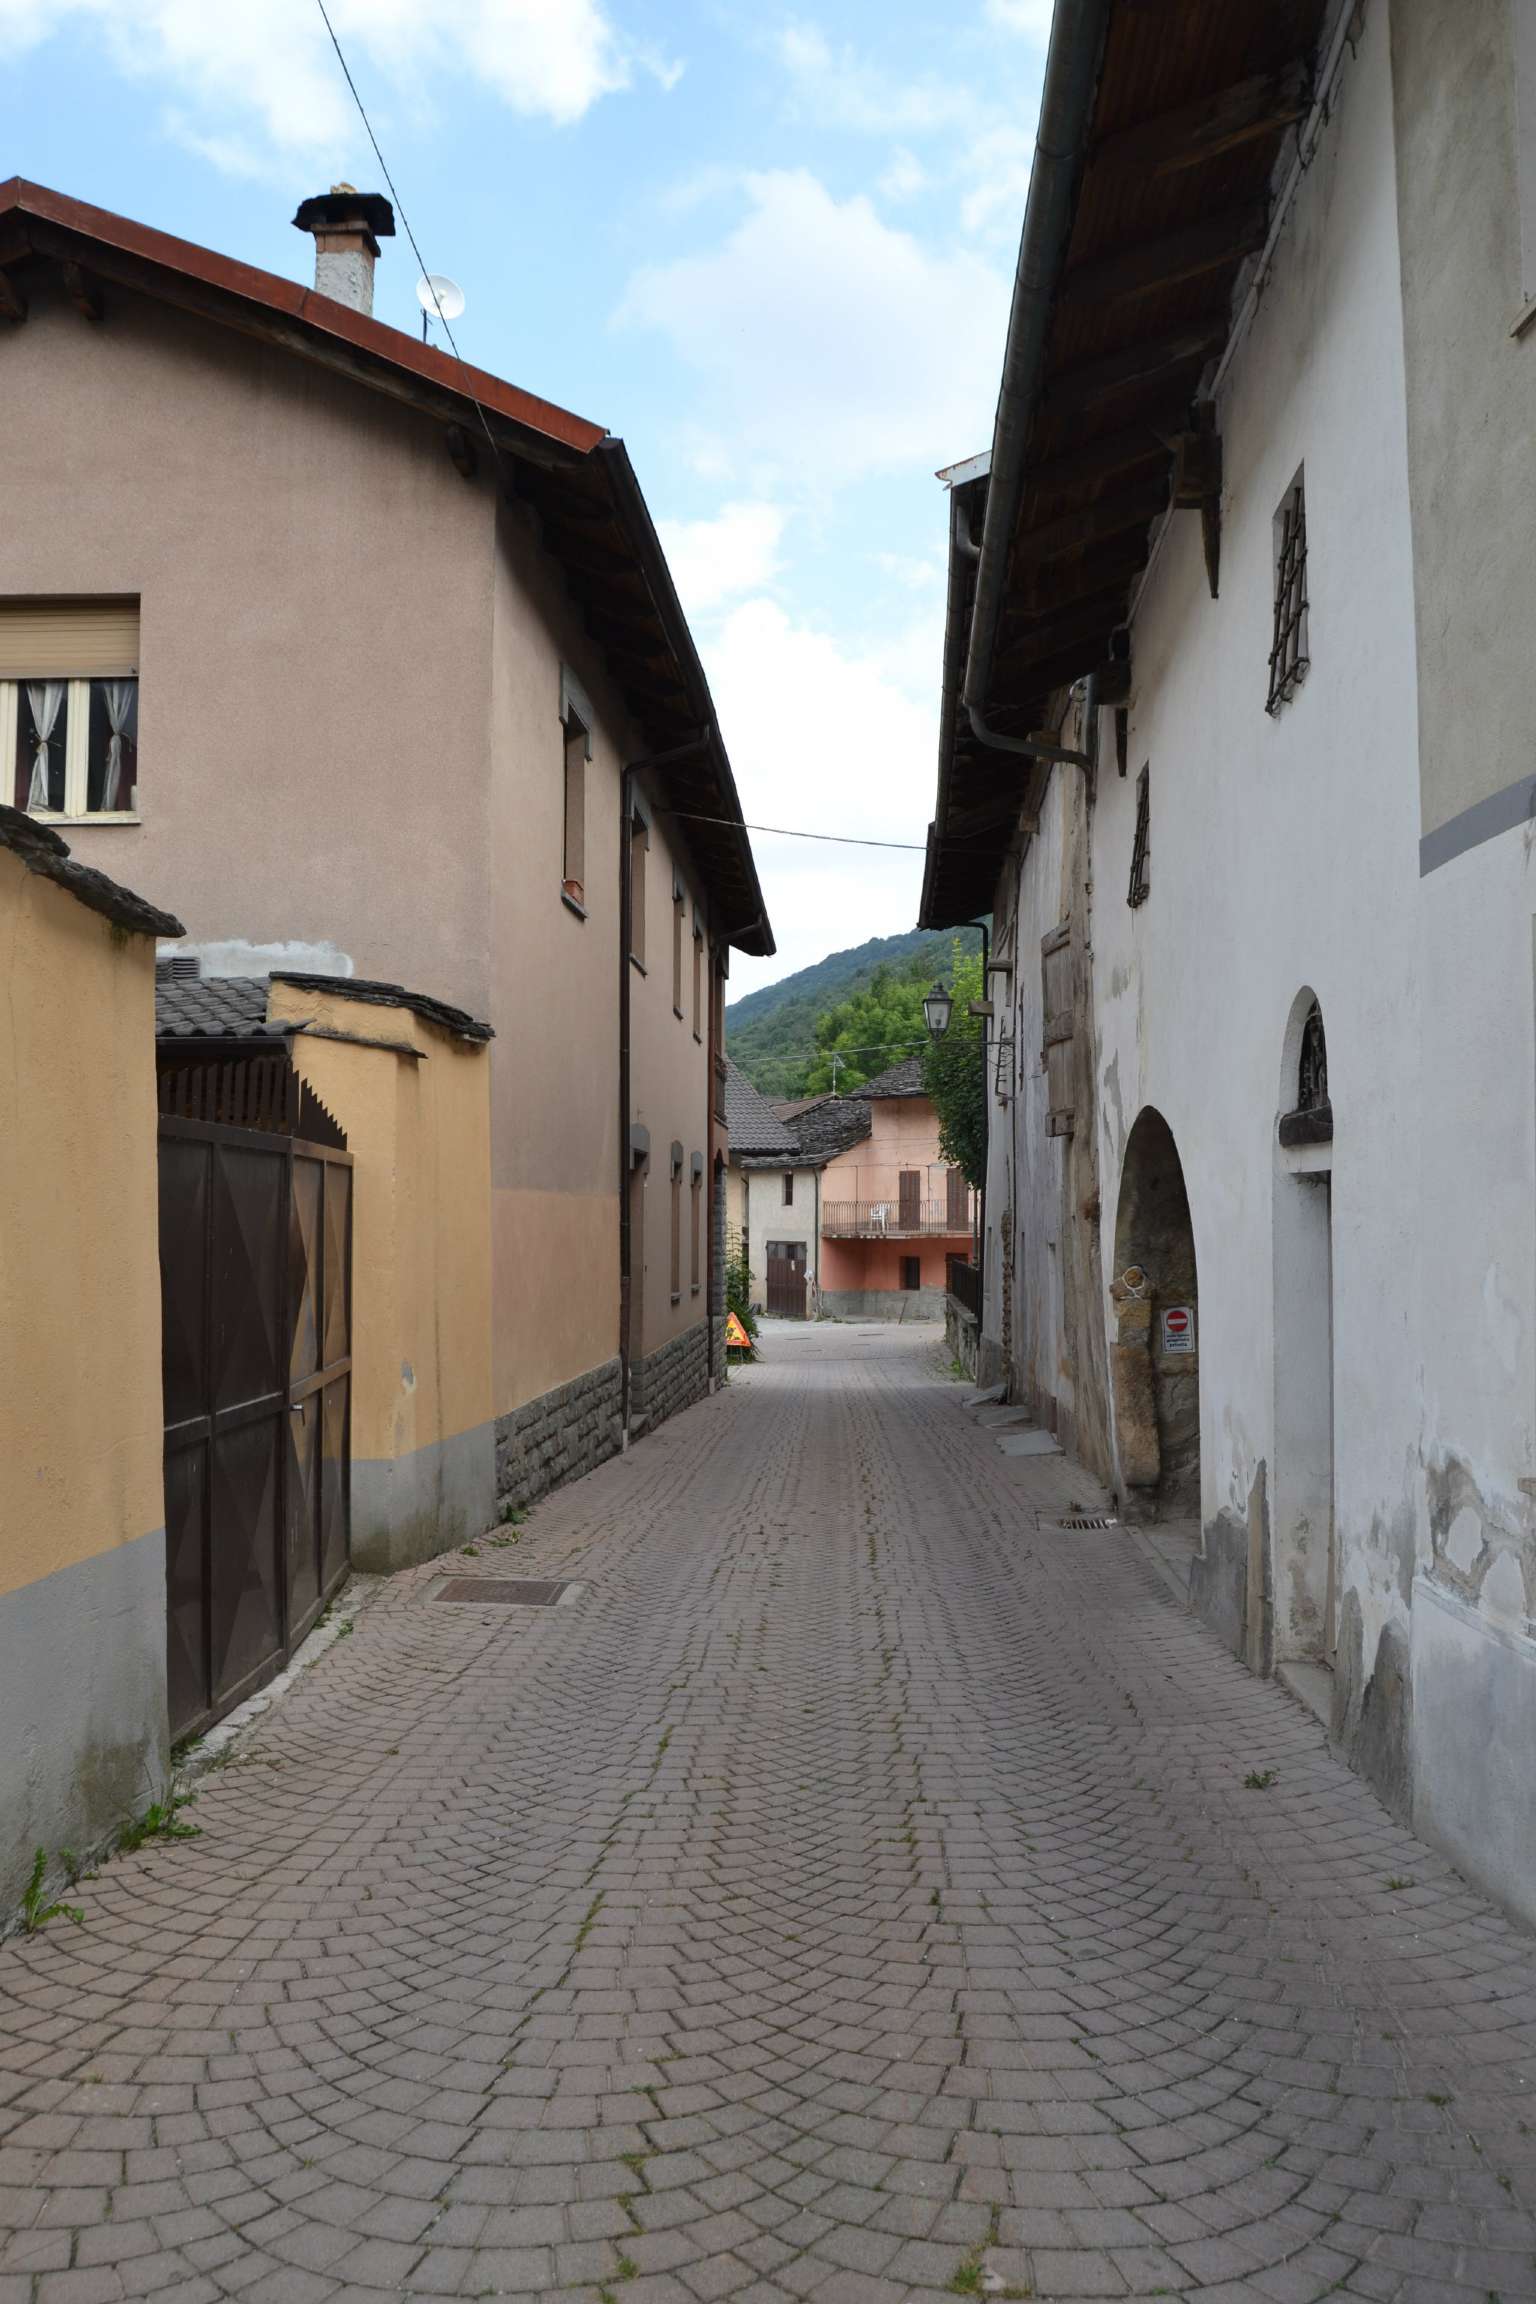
438	295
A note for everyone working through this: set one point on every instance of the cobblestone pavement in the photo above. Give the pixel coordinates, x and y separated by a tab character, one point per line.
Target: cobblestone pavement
856	1894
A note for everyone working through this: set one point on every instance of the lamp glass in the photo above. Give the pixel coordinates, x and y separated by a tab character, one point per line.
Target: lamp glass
937	1006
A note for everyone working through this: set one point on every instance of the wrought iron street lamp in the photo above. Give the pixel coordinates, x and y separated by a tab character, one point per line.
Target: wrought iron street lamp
937	1008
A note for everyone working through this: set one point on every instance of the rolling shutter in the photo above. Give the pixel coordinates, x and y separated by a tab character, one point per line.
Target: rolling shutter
69	639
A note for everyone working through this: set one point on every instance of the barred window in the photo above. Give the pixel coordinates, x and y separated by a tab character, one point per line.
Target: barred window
1141	880
1288	658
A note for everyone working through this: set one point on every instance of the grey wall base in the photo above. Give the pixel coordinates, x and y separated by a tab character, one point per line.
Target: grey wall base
1472	1735
672	1377
559	1436
84	1743
410	1508
883	1303
961	1334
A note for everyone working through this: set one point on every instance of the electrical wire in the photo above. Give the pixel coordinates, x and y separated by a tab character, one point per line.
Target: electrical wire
362	113
791	832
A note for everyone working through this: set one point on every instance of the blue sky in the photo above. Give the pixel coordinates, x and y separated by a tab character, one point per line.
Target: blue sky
771	247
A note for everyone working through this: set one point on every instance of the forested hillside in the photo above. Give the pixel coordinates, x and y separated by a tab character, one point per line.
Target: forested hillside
866	1003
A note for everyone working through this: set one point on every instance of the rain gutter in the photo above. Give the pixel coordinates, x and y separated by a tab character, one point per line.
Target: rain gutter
1078	30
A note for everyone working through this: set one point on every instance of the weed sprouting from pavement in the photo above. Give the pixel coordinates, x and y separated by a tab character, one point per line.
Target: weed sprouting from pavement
1258	1779
161	1820
36	1910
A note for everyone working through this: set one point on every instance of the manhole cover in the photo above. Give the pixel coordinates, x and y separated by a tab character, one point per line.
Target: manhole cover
505	1591
1086	1520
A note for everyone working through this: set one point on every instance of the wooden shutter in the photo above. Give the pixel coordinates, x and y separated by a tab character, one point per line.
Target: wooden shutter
1056	1053
957	1211
69	639
911	1204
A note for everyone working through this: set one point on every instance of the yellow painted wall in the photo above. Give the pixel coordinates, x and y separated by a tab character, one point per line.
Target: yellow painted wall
418	1128
80	1429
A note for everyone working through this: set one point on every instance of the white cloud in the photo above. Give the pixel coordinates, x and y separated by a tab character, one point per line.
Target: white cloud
716	560
840	88
1031	17
251	85
903	176
828	343
997	165
834	738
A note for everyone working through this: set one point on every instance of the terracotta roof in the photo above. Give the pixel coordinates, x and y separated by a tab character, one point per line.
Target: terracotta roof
754	1127
904	1079
577	480
43	852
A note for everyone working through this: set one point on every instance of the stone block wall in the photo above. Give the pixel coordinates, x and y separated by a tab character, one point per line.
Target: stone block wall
669	1379
558	1436
883	1303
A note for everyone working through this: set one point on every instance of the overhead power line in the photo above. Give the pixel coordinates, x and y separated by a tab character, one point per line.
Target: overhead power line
362	113
792	832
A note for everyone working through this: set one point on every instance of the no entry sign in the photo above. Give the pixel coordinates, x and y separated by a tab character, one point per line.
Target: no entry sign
1178	1328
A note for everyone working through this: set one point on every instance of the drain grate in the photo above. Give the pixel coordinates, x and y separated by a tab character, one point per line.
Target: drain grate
1087	1520
505	1591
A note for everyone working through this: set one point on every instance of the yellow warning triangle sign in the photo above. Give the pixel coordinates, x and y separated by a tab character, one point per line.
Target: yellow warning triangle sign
736	1337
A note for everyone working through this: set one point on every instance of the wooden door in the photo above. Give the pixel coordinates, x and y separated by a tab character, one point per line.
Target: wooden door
786	1279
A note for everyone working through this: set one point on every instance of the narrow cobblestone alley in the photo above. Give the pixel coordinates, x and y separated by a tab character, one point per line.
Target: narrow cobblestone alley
855	1893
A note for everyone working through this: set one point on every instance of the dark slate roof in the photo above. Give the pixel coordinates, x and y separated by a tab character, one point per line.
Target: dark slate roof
189	1007
754	1126
458	1021
905	1079
829	1127
43	852
213	1008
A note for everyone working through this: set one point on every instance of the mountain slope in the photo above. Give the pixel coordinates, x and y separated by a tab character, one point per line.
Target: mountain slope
772	1033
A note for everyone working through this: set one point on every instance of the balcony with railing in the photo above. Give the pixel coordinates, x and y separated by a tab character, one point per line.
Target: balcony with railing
948	1218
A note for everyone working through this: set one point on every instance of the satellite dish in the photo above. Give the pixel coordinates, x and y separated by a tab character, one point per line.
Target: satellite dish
438	295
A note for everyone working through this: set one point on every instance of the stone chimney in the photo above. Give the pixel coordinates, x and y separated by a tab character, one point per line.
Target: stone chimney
347	225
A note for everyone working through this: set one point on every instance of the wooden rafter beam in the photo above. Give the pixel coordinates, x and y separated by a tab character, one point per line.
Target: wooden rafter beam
13	305
1072	531
1210	244
1192	134
1050	634
1061	582
1146	362
1102	459
83	290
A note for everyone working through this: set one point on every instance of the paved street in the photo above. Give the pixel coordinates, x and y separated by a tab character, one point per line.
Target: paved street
855	1893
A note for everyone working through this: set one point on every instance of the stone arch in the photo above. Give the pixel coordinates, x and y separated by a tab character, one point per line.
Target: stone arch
1157	1362
1304	1573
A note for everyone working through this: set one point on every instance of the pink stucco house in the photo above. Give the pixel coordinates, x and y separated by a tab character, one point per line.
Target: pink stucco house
893	1210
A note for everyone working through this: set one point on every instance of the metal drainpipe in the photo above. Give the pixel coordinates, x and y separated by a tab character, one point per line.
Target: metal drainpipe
626	801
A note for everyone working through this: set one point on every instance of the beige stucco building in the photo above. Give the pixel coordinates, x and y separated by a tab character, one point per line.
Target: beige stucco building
370	664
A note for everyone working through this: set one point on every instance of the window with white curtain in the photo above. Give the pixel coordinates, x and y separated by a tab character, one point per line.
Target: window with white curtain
69	707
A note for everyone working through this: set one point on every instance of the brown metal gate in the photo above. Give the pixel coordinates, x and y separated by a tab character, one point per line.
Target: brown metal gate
786	1279
256	1296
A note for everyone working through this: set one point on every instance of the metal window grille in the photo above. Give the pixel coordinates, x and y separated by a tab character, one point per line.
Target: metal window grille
1288	658
1140	877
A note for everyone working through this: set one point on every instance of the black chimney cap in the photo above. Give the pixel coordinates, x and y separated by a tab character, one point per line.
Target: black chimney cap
341	205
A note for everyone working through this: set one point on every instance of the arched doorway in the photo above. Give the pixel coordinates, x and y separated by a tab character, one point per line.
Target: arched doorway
1305	1562
1156	1353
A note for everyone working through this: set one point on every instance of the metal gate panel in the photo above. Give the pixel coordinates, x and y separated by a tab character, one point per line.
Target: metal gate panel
255	1259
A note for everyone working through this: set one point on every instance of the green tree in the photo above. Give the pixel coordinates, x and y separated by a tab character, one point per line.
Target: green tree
955	1075
875	1027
